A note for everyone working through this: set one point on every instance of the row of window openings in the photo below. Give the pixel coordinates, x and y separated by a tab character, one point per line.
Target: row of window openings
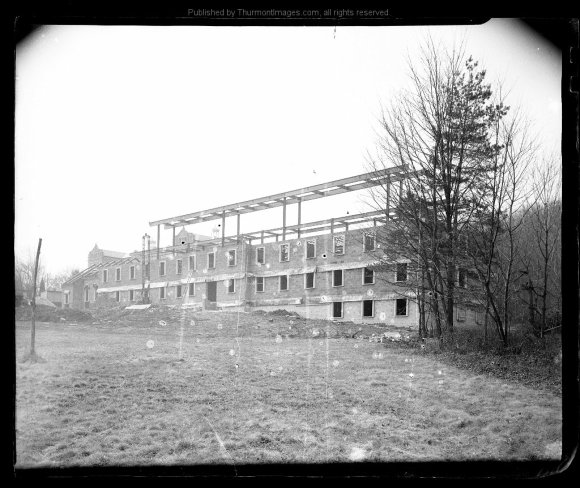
162	293
310	281
132	274
338	248
337	277
368	308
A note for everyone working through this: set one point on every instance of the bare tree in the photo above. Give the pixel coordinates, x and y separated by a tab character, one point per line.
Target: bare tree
496	219
440	130
24	273
541	246
55	280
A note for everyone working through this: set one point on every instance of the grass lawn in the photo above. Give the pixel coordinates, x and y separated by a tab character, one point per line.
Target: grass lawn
235	389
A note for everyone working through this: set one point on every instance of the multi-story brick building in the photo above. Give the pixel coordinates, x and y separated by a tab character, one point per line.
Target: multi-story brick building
318	269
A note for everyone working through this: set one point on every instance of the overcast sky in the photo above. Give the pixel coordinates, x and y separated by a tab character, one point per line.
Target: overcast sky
119	126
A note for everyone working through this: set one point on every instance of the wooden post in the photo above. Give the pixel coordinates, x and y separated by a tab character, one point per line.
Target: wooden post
33	324
284	220
223	228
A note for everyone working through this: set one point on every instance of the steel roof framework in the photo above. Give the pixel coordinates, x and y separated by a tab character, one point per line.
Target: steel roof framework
366	180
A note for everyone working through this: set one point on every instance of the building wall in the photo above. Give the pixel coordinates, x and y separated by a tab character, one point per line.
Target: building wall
314	303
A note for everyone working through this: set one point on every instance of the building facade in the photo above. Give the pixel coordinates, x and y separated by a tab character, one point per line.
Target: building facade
320	269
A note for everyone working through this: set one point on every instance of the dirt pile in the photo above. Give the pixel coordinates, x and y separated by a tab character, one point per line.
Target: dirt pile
45	313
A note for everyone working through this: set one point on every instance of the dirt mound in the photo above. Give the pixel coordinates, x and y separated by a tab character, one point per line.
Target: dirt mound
119	316
290	325
45	313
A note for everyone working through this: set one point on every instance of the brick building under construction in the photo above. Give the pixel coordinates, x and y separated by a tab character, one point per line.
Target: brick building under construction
318	269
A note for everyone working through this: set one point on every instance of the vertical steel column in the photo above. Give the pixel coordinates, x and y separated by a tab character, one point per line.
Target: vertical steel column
331	228
400	190
158	240
299	215
223	228
284	220
238	234
173	242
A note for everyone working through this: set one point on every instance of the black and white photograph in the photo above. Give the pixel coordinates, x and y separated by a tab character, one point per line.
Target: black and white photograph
265	245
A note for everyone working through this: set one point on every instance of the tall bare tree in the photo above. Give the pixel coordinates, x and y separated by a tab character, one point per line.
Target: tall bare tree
496	220
541	246
440	130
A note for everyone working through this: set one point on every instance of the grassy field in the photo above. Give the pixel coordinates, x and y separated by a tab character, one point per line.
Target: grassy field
234	389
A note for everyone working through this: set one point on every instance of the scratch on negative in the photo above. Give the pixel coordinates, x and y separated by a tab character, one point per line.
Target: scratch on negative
222	445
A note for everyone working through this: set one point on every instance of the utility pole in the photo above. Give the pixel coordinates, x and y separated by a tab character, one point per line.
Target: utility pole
33	325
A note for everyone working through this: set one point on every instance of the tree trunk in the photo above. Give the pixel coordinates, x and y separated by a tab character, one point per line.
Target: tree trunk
485	319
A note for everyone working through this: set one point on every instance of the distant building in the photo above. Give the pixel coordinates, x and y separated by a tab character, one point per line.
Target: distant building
98	256
53	296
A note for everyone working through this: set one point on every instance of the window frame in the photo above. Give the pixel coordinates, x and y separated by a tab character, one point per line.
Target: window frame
287	282
162	291
374	238
178	291
287	245
230	251
212	253
118	296
164	263
406	314
310	241
132	272
105	276
461	272
231	285
263	281
263	248
313	281
334	285
131	295
191	289
189	261
118	274
341	310
177	266
463	316
343	237
397	280
364	277
372	308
